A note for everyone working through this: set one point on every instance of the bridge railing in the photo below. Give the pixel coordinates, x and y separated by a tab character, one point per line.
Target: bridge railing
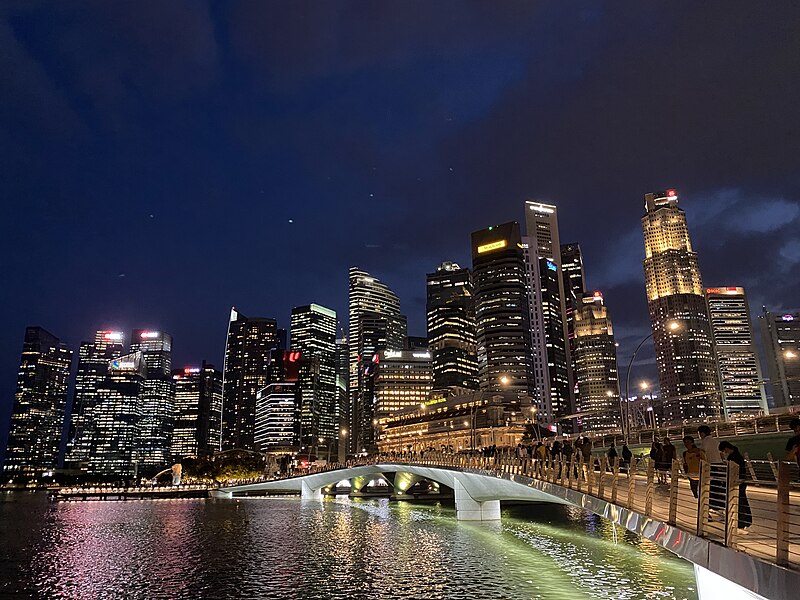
758	515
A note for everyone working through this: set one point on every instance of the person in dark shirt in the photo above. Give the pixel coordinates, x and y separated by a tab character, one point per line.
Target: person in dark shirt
793	445
731	454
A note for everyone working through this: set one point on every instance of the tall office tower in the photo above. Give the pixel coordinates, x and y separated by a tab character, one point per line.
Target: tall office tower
158	397
277	418
117	416
375	324
596	365
549	323
738	368
343	385
781	336
502	314
450	313
247	350
687	371
574	283
402	379
37	420
198	411
314	336
93	359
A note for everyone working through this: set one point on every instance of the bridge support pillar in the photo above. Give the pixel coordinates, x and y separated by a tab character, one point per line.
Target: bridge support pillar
711	586
468	509
307	493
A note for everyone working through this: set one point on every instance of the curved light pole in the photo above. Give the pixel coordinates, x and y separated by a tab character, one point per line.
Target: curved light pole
672	326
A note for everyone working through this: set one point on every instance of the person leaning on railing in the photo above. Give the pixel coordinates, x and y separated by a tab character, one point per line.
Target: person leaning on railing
732	454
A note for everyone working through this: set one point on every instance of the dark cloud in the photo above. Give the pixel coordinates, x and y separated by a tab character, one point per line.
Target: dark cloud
385	132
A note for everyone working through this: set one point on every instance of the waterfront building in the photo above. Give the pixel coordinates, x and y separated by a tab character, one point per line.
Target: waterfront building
678	315
375	324
343	392
37	418
402	379
462	422
277	418
595	359
117	417
93	359
198	411
574	289
450	311
781	336
248	346
158	396
549	324
502	313
738	367
313	334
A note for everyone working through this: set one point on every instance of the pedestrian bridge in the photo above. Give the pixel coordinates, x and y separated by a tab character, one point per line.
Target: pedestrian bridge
765	563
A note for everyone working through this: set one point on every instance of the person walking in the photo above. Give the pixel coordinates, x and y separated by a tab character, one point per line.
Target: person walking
627	455
692	457
710	445
732	454
656	455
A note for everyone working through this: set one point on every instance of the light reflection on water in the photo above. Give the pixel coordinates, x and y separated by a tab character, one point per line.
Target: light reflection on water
286	548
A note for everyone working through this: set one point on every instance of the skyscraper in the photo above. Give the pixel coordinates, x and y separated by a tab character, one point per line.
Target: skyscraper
375	324
450	311
549	323
781	337
502	313
596	365
198	411
278	422
117	416
403	379
738	368
313	334
37	419
247	354
93	359
158	396
572	270
681	330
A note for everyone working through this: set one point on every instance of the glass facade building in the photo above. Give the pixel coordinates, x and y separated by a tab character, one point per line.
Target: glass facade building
40	402
450	312
781	337
247	356
198	411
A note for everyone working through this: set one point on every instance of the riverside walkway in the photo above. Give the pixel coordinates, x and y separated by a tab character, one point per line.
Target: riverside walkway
763	561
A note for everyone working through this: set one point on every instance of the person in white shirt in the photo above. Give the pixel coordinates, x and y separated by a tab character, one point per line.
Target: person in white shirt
710	446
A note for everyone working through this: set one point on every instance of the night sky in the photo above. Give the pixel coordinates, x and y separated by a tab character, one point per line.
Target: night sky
164	161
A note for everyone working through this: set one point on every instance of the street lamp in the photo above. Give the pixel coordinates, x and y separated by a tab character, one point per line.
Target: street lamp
674	326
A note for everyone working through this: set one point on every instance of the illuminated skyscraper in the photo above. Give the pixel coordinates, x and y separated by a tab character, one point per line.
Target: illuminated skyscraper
247	355
502	313
93	359
402	379
158	396
37	419
678	315
313	334
781	336
549	324
117	416
375	324
451	328
596	365
737	361
198	411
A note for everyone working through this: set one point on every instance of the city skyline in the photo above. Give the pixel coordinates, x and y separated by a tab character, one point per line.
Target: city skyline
391	183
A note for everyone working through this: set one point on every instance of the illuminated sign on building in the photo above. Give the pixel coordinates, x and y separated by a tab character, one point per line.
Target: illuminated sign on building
728	291
189	370
492	246
149	335
552	266
123	364
113	335
787	318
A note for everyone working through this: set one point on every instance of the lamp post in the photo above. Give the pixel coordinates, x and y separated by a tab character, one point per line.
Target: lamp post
673	326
